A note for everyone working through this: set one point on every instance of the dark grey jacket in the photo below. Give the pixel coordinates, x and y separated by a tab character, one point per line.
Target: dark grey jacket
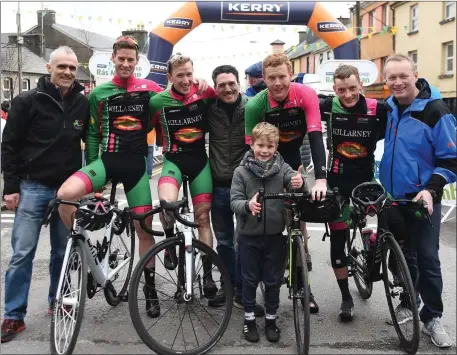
245	185
305	152
226	142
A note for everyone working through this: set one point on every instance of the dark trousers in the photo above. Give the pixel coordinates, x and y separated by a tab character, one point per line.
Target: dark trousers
262	259
224	230
421	246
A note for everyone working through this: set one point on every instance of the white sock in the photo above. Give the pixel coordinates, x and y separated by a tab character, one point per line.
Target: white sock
270	316
249	316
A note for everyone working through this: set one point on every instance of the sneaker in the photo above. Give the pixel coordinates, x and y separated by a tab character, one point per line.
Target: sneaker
250	331
272	331
434	328
313	306
402	314
258	309
170	259
152	301
347	310
219	299
209	287
10	328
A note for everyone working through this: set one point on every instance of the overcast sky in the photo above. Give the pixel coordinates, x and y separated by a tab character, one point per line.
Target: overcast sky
206	43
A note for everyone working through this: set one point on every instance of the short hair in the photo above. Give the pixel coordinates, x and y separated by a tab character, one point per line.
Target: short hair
225	69
126	42
275	60
398	57
176	60
344	71
64	49
267	130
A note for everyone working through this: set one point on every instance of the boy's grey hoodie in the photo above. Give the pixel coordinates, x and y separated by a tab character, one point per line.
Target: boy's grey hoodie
247	180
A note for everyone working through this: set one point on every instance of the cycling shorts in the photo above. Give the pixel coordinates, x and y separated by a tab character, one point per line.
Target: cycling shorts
126	168
196	167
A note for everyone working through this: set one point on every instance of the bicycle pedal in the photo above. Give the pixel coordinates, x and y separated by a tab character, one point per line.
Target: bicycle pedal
125	298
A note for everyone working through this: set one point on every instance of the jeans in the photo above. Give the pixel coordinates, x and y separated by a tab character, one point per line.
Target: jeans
421	254
223	226
150	160
33	203
262	259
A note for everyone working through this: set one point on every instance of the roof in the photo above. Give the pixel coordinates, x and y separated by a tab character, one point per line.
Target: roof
5	36
94	40
278	41
300	50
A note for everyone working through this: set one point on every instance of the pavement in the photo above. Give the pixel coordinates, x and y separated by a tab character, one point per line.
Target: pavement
109	330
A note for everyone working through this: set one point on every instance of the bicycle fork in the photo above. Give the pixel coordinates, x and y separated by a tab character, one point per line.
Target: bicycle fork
189	256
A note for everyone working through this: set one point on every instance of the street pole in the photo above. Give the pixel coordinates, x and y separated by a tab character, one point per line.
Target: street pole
19	48
357	22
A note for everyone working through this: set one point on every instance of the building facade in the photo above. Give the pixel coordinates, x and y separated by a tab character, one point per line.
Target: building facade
427	33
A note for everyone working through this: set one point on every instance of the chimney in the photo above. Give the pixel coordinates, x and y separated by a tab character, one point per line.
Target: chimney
46	17
302	35
277	46
140	36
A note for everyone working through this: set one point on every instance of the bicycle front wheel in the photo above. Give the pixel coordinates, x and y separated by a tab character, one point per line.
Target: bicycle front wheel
300	294
399	288
121	252
183	324
68	307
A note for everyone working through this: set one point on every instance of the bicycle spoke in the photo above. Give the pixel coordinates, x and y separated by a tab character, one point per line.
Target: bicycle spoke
193	328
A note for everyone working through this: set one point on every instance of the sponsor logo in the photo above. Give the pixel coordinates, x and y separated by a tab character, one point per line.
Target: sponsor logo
188	134
255	11
293	112
362	120
172	111
181	23
341	119
92	172
285	137
127	123
158	67
102	66
330	27
352	150
193	107
78	124
171	172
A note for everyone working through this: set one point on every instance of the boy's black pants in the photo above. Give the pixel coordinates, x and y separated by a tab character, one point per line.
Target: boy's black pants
262	258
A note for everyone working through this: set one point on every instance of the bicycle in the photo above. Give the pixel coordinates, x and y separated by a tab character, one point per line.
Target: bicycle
180	288
295	263
365	259
106	261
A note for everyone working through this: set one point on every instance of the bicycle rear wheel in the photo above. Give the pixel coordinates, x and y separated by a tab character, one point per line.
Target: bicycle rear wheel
199	326
359	264
68	307
300	296
121	251
398	283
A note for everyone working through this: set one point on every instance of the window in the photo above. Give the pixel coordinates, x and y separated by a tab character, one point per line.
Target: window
414	18
7	89
413	56
25	85
448	57
307	64
321	58
372	20
449	9
328	55
385	11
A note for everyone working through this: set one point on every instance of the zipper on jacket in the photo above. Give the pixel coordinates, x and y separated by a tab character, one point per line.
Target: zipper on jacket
263	211
53	99
393	154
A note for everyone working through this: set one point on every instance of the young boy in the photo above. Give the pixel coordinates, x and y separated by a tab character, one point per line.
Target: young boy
261	244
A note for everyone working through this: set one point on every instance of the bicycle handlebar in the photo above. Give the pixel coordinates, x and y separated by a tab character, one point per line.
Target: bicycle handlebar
174	207
142	219
297	195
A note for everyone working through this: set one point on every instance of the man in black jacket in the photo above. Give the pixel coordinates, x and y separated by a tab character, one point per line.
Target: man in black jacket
41	148
226	149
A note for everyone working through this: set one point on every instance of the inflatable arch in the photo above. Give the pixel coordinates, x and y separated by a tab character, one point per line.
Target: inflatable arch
192	14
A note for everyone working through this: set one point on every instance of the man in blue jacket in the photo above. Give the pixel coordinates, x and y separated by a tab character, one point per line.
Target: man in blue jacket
419	160
255	78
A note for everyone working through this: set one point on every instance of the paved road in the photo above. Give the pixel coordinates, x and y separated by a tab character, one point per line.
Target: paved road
107	330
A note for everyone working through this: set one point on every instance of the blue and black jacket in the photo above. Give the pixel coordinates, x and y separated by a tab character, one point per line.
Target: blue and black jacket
420	145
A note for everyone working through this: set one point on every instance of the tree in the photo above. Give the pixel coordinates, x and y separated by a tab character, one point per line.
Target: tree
9	69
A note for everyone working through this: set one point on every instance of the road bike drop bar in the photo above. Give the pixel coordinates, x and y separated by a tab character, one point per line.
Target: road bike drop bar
174	207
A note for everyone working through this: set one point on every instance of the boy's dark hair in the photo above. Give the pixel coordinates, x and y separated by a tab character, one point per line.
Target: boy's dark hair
225	69
126	42
344	71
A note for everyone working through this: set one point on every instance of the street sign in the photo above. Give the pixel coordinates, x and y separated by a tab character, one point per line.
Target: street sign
368	71
102	67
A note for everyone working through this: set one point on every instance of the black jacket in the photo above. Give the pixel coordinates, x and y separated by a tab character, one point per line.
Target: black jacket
226	142
42	137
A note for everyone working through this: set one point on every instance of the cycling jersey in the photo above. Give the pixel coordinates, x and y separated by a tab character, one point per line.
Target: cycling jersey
295	116
352	135
120	121
183	121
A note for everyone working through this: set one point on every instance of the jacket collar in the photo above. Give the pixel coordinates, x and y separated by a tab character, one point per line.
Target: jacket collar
124	83
44	85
